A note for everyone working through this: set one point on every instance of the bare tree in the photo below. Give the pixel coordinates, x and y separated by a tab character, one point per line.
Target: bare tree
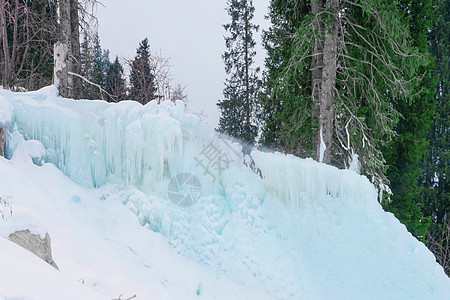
27	33
178	93
438	241
72	14
163	78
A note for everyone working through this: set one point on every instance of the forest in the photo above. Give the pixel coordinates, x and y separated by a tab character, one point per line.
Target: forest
360	83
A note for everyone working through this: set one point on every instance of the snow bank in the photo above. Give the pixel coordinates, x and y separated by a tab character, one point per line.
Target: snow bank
303	231
29	277
23	218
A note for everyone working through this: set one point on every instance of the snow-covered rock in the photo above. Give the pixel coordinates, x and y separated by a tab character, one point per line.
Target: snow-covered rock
35	244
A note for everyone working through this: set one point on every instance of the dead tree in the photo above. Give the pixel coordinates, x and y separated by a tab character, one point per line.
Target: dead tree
64	49
27	34
438	241
72	13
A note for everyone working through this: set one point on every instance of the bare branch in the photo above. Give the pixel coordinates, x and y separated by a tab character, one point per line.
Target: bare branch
94	84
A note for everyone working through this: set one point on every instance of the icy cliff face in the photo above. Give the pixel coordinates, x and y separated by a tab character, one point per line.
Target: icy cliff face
303	231
93	142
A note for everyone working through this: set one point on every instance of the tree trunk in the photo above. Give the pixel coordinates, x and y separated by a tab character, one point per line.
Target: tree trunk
317	62
66	81
247	85
75	48
60	75
69	35
328	84
6	55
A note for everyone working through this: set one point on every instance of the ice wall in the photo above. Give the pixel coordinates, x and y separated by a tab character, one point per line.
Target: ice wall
299	182
94	141
303	231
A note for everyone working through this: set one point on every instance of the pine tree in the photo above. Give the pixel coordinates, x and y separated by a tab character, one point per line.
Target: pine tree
435	180
100	67
142	87
286	123
353	58
86	68
405	153
239	107
115	82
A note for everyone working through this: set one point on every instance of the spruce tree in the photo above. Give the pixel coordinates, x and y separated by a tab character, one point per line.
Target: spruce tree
239	106
142	87
436	191
353	58
405	153
86	68
115	82
100	67
286	123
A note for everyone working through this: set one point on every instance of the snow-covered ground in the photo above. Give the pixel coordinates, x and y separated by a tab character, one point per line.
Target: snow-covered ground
100	178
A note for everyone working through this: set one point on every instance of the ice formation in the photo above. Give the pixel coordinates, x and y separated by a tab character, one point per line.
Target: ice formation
295	229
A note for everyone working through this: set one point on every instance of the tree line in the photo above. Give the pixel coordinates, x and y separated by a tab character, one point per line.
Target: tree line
345	82
149	78
34	32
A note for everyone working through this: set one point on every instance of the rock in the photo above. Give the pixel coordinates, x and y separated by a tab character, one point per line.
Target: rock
35	244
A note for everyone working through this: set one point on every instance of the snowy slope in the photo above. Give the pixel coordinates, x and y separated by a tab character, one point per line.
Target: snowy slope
97	177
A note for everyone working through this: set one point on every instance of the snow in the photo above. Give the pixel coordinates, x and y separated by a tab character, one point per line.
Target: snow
25	276
23	218
323	147
6	111
354	164
96	176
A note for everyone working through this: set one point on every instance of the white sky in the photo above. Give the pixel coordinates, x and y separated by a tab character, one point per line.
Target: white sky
189	32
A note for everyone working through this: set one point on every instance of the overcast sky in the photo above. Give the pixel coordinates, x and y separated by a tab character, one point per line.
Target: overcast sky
190	32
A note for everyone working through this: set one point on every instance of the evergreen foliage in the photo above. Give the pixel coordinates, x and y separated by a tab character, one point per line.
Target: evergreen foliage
95	66
375	64
405	153
100	67
436	191
286	123
239	106
115	82
86	67
142	87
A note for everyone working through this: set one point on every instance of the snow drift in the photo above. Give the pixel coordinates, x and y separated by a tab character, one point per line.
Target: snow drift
294	229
